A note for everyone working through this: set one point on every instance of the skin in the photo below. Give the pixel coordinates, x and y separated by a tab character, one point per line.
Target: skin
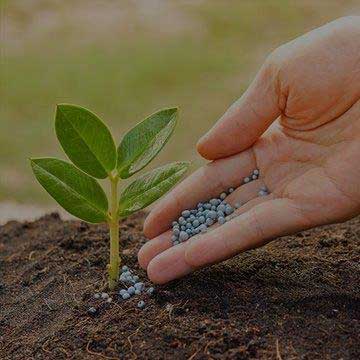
299	124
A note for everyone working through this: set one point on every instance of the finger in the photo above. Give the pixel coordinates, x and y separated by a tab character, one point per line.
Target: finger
169	265
154	247
205	183
246	119
253	228
163	242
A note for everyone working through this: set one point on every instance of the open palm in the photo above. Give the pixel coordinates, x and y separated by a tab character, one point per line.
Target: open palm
299	124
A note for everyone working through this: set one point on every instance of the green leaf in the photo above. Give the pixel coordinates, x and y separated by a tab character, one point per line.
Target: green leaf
143	142
150	186
76	192
86	140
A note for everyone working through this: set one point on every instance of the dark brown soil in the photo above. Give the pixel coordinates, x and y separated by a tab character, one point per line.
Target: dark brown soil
297	297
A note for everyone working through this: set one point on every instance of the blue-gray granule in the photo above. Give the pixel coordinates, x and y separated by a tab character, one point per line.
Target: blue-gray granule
150	290
183	236
126	296
229	209
131	290
141	304
92	310
253	176
209	222
185	213
139	286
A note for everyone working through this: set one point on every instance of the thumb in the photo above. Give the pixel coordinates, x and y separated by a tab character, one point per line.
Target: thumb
248	118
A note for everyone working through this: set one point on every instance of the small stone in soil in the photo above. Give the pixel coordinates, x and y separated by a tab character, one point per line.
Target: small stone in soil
97	296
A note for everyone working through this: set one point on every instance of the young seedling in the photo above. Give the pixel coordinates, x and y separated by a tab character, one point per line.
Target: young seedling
89	145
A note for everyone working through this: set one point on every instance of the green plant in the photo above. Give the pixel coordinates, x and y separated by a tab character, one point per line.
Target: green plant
89	145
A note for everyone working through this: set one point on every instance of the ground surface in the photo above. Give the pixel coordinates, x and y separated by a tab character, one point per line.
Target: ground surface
297	297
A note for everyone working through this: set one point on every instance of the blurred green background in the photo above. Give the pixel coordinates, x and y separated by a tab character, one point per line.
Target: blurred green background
126	59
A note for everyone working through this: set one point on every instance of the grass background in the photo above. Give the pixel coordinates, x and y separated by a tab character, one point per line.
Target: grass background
126	59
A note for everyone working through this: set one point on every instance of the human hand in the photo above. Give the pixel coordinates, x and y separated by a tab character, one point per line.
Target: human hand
299	124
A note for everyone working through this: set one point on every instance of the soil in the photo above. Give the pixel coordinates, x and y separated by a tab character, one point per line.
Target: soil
297	297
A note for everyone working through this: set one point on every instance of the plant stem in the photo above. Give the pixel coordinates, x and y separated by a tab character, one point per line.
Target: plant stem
114	265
